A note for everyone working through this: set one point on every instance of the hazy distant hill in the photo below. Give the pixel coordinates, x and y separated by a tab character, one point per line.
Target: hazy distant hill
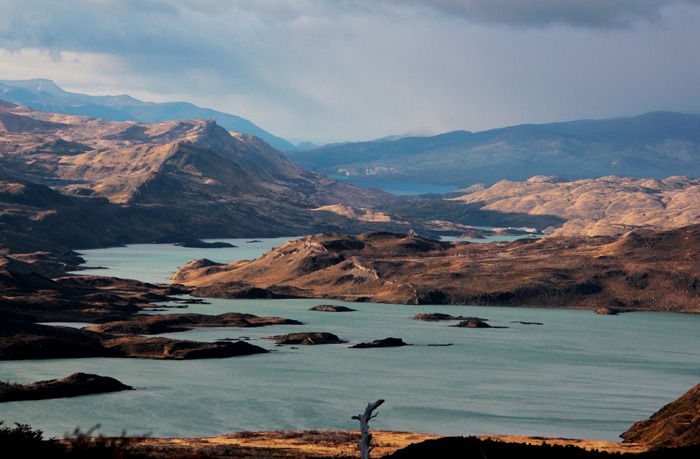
45	95
655	145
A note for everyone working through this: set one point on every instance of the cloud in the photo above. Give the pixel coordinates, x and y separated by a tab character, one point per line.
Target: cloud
541	13
333	71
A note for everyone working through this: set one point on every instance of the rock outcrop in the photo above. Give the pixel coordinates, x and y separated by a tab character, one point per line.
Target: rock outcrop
29	296
25	340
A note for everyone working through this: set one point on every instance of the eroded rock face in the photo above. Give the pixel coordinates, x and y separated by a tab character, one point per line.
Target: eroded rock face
642	270
676	424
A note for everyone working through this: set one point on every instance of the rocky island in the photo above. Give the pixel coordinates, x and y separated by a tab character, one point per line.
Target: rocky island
642	270
30	302
386	342
330	308
71	386
307	338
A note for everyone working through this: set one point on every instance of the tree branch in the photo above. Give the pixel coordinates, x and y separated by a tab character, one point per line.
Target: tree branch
364	419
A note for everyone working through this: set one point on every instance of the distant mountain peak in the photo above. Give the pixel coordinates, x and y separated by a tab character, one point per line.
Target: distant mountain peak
36	84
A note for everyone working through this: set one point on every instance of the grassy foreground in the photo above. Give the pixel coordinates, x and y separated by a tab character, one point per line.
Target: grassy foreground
21	441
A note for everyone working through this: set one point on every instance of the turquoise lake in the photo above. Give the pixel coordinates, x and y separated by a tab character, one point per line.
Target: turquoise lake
571	374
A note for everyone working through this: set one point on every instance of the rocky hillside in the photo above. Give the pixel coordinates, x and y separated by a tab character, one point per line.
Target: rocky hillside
644	270
676	424
595	207
656	145
82	182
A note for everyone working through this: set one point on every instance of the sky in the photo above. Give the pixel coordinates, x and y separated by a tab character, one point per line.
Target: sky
329	71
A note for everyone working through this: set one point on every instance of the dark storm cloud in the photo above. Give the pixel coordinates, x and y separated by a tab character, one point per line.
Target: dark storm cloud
538	13
346	70
151	36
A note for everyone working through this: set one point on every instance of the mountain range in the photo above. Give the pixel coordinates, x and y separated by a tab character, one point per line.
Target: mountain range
83	182
45	95
652	145
190	179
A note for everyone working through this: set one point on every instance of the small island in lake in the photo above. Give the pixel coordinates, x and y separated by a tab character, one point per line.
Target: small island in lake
331	308
71	386
307	338
386	342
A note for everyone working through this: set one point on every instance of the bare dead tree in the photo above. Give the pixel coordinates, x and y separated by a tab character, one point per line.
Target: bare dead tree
366	437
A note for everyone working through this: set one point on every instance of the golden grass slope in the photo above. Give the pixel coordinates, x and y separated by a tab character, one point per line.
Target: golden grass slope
644	270
597	207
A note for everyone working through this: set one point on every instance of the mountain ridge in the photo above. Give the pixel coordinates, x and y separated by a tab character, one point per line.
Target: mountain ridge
655	145
84	182
45	95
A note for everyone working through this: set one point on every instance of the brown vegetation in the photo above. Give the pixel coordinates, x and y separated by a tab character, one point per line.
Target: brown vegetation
643	270
676	424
